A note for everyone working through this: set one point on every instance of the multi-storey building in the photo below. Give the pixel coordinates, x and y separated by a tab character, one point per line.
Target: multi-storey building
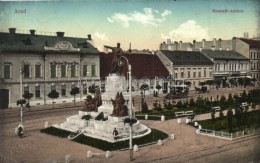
39	63
250	48
187	66
228	64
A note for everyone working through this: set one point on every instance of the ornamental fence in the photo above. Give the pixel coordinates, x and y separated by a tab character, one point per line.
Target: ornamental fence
230	136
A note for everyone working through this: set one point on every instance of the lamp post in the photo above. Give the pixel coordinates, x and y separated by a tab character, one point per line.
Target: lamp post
130	106
21	93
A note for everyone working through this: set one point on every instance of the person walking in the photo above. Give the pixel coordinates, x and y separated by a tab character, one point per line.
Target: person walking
115	133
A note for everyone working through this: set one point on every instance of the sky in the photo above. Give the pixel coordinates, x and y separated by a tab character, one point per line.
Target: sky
143	23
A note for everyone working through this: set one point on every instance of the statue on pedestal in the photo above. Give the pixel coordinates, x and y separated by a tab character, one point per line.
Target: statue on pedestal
120	109
117	53
92	104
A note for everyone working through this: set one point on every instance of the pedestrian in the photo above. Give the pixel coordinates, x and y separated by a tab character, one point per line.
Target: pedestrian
28	106
115	133
20	131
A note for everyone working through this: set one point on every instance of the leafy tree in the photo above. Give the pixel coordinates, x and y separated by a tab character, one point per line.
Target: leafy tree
144	87
230	119
74	91
53	95
232	82
192	102
158	87
28	96
144	106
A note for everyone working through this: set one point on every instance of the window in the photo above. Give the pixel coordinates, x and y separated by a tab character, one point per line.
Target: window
188	72
38	71
63	70
73	70
26	89
199	72
182	72
204	72
85	70
26	71
176	73
37	91
7	71
85	90
194	72
93	70
53	86
251	55
63	90
210	72
53	71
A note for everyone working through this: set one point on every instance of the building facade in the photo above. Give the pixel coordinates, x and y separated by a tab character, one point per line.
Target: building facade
38	64
187	66
228	65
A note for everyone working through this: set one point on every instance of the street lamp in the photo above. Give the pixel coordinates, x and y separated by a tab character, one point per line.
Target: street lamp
21	93
130	106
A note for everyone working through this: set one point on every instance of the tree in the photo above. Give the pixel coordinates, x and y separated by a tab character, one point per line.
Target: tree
144	107
213	117
222	101
238	115
230	119
230	100
158	87
74	91
28	96
221	117
144	87
53	95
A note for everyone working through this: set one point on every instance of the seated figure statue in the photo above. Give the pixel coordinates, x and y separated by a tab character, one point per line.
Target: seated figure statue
92	104
120	109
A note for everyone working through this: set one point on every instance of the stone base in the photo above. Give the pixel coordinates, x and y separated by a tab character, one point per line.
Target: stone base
102	129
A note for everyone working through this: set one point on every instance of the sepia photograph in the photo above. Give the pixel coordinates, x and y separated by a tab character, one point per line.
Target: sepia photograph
143	81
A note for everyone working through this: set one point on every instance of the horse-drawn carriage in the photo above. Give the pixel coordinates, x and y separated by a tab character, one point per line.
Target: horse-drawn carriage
178	91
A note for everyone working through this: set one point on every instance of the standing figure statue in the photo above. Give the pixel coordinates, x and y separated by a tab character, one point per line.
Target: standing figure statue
117	53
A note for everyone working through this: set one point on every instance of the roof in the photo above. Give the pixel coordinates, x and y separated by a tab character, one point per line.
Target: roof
251	43
35	43
143	65
224	54
187	57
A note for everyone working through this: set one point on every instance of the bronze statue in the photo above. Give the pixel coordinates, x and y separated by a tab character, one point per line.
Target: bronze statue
92	104
120	109
117	53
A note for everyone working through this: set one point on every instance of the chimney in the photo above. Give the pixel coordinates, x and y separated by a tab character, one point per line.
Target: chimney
60	34
180	46
215	42
118	45
219	43
89	37
12	30
246	35
234	43
32	32
203	43
194	46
